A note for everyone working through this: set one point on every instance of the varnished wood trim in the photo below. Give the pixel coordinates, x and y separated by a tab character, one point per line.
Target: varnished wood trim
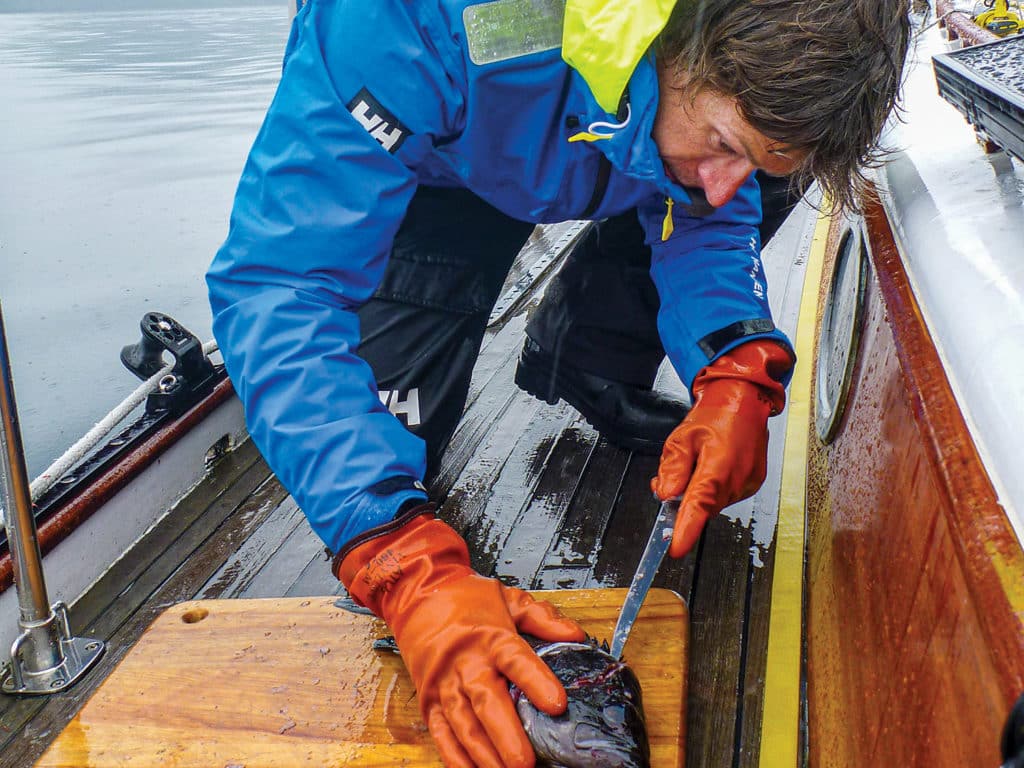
80	508
986	546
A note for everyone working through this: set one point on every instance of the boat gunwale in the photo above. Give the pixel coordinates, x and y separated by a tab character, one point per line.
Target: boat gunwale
65	518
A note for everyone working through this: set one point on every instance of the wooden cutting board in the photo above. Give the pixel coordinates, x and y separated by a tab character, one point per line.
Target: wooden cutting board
295	682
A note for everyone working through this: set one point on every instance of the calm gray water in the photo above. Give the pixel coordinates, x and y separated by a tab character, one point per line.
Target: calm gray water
122	135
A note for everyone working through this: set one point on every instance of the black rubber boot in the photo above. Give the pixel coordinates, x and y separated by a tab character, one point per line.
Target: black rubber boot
628	416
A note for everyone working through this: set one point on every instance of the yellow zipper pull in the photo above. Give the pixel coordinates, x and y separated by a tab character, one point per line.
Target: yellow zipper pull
588	136
667	226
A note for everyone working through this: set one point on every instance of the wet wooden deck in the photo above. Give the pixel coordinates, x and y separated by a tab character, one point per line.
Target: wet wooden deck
543	501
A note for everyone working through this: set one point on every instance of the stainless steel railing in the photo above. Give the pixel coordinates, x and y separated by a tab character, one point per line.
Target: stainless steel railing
45	657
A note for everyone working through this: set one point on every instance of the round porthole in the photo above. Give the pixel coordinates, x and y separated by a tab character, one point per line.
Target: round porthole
840	332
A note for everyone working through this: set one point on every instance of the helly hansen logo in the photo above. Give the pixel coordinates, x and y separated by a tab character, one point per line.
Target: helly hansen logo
377	121
410	406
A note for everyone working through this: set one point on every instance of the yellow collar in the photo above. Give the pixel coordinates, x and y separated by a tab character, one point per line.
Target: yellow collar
604	39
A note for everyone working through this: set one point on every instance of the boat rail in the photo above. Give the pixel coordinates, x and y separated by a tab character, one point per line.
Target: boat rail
45	657
103	428
960	26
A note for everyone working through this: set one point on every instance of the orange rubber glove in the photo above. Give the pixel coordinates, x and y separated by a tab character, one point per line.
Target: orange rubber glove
458	633
718	454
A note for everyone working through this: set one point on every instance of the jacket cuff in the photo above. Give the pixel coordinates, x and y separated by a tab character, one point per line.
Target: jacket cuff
407	511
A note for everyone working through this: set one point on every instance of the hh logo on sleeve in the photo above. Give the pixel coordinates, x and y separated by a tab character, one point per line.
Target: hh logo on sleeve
377	121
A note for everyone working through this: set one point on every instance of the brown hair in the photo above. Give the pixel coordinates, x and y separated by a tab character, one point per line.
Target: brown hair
818	76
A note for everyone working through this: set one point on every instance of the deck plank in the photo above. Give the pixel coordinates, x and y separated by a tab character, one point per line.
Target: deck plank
718	613
466	503
489	396
759	595
633	514
503	502
245	573
315	577
569	562
530	539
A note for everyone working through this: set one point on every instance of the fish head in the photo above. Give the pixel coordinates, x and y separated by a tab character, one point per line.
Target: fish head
603	725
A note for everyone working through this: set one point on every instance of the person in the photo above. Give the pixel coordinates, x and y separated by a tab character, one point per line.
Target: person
407	155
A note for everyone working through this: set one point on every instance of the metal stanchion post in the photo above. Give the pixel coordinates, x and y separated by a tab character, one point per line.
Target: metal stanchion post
45	658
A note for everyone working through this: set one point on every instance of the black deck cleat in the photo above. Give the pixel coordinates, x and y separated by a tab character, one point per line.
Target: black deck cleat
192	373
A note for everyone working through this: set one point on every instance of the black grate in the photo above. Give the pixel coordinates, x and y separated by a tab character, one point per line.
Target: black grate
986	83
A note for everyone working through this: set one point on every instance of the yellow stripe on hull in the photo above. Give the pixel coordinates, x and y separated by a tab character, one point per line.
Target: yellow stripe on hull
781	720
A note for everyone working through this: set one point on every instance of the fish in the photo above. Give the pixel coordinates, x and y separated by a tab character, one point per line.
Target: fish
604	724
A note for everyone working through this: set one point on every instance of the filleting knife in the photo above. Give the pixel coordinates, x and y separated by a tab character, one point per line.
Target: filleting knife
654	553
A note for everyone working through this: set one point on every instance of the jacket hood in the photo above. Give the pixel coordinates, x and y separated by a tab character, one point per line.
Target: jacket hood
604	39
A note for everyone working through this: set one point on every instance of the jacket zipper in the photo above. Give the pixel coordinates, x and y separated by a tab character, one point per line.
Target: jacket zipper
604	168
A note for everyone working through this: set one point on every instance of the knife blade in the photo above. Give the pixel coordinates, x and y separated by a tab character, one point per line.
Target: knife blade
650	560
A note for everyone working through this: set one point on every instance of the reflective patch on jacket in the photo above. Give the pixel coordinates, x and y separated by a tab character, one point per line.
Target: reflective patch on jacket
507	29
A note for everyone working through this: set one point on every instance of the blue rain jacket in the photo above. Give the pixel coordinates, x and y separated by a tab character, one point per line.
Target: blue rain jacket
375	98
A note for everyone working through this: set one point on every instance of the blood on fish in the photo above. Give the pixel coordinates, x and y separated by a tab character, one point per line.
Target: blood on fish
603	725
